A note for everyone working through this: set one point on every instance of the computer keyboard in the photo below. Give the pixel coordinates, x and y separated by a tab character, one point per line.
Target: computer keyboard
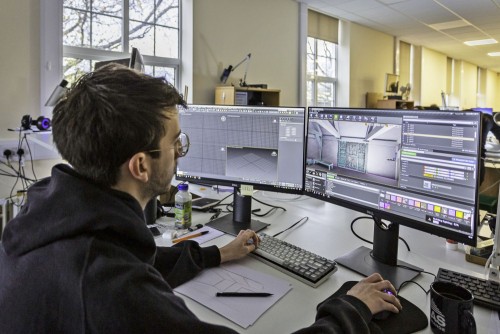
486	293
300	264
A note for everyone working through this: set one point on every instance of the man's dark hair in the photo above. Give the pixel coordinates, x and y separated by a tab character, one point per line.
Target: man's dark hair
108	116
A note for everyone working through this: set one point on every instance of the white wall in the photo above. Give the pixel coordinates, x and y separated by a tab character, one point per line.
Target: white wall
468	85
20	62
433	78
371	57
20	79
225	31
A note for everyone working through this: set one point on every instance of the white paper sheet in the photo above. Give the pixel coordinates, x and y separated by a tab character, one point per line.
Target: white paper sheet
243	311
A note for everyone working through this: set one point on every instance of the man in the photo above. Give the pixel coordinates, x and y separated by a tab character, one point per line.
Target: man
79	257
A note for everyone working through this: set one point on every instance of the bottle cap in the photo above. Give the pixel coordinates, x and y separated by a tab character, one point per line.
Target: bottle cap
183	186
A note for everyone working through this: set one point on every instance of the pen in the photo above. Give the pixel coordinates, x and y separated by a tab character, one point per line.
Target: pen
187	237
243	294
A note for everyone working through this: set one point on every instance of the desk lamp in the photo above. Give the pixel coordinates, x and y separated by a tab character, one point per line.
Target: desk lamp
230	68
57	93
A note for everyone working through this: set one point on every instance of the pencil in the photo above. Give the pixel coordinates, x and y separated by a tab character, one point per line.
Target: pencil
191	236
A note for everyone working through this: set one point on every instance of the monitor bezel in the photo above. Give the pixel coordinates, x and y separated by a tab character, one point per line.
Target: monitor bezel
136	60
394	218
237	184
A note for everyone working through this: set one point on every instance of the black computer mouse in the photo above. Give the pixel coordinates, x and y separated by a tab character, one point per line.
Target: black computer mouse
382	315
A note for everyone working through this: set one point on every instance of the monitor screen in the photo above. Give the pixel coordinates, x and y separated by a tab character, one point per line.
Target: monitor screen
391	83
256	146
415	168
251	145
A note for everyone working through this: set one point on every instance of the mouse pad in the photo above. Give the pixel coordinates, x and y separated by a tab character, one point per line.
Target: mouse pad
409	320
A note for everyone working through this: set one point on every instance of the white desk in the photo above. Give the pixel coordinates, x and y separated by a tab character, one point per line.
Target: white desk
327	233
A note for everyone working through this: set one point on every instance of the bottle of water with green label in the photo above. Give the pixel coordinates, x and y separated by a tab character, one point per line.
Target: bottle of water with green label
182	209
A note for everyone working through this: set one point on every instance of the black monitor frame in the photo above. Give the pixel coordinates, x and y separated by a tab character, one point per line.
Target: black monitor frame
136	60
383	257
241	218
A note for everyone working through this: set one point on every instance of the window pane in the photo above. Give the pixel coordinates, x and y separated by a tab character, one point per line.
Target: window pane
161	72
106	33
76	28
310	56
167	13
325	96
167	41
325	67
142	37
79	4
142	10
74	68
310	93
98	24
110	7
325	49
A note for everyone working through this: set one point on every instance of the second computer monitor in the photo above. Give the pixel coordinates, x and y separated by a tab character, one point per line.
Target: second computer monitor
235	145
256	146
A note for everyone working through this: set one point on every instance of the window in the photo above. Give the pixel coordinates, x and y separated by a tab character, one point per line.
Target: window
321	72
96	30
321	54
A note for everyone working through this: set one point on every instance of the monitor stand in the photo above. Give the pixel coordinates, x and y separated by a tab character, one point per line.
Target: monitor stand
383	258
240	219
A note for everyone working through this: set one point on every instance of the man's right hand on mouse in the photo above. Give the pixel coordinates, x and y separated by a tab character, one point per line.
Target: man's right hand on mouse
370	290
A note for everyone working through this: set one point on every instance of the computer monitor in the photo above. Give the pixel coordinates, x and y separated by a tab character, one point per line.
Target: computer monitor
391	83
415	168
136	61
239	146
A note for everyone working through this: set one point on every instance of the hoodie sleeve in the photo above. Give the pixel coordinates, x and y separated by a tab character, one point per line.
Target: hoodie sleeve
344	314
183	261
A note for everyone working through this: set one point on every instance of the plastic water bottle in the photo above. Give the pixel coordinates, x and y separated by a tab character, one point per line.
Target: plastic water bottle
182	209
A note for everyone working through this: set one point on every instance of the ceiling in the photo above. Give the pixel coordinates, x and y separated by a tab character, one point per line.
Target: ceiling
418	22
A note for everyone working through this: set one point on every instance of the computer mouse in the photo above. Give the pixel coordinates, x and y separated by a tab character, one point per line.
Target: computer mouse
382	315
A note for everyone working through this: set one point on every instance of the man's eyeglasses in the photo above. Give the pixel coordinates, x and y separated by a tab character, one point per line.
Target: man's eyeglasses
181	145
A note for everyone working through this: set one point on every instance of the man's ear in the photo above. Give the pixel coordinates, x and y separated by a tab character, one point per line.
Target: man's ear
139	167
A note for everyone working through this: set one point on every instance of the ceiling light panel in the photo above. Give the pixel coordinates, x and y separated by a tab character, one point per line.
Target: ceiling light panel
449	25
480	42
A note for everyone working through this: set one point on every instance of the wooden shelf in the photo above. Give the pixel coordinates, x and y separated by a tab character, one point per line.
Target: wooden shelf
242	96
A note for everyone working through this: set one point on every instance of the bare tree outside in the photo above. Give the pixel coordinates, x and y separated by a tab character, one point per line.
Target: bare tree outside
321	72
93	28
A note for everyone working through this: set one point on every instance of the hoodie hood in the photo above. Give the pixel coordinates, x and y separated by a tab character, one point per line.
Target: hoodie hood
66	205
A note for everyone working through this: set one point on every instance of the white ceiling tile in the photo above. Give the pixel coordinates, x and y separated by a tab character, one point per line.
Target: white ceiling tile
407	19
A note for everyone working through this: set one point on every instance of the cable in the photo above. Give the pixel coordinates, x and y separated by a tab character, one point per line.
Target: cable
273	208
406	282
355	234
293	225
380	224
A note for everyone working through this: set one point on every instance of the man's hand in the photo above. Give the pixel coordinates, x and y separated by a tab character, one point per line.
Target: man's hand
245	242
371	291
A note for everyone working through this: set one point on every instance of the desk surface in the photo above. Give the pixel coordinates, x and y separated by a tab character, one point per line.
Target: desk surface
327	233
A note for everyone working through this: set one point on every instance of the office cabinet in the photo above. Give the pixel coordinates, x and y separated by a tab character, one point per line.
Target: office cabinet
394	104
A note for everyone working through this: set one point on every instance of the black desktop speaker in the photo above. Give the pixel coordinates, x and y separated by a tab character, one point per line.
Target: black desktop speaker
42	123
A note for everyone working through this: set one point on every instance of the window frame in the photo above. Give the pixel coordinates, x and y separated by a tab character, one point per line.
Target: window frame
52	50
316	79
